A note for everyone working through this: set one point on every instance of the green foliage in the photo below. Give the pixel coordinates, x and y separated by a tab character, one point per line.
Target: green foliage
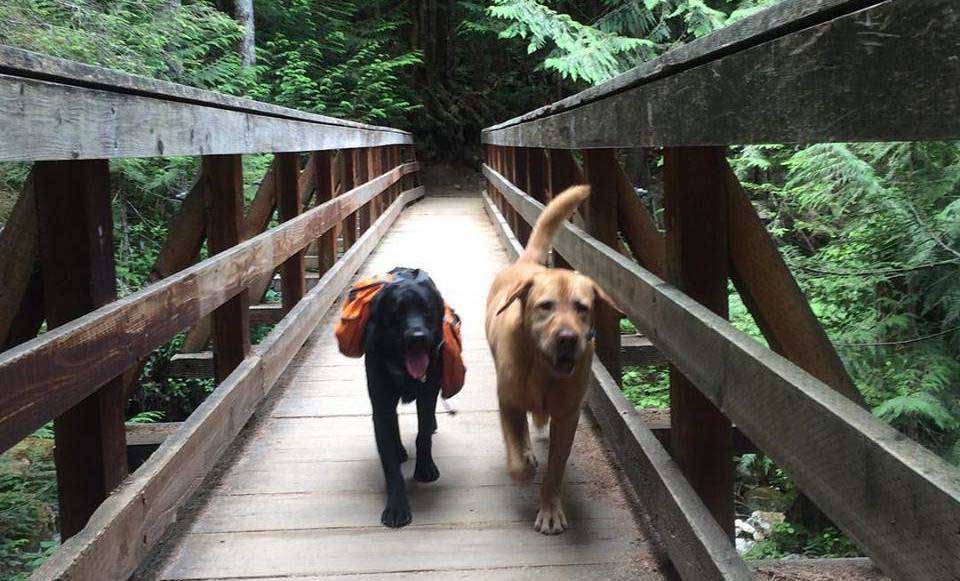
28	497
792	539
582	52
647	387
624	34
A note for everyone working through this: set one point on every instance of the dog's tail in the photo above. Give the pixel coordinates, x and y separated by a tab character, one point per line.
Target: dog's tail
553	216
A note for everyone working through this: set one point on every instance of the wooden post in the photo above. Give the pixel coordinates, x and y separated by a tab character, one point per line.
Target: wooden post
21	283
76	250
521	227
695	203
774	298
223	199
323	162
536	177
375	167
360	177
292	280
563	174
350	222
602	223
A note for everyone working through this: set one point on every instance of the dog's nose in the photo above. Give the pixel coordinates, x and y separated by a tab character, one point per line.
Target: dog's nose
416	336
567	342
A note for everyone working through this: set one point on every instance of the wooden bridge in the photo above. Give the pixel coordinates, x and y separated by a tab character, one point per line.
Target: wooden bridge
276	476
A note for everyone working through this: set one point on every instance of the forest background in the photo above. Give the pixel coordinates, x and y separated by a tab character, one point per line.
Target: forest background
870	230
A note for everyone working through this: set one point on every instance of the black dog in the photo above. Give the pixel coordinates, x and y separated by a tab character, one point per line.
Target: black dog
402	342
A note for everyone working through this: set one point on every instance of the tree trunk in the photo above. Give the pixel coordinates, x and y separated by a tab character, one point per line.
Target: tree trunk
245	16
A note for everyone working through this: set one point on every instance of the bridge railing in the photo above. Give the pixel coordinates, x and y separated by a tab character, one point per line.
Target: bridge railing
830	70
57	260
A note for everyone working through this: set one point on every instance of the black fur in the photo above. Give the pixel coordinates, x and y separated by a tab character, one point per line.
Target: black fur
407	311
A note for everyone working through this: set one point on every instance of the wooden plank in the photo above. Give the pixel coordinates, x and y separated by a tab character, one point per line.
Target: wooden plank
50	121
349	182
150	434
325	178
695	211
48	375
907	521
820	83
698	547
18	256
380	550
28	318
197	365
639	230
266	314
23	63
75	225
768	288
144	439
640	351
223	199
600	168
138	513
361	169
291	206
778	20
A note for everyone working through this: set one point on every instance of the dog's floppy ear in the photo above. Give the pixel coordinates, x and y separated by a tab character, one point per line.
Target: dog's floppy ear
600	295
519	292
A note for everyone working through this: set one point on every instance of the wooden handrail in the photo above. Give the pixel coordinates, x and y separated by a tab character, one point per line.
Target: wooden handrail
801	71
53	372
897	500
52	109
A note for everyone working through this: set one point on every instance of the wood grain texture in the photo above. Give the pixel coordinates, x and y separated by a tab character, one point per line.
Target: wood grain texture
771	293
75	232
223	200
349	177
290	202
49	121
49	374
818	83
131	521
24	63
600	167
899	502
325	178
775	21
637	226
695	212
18	257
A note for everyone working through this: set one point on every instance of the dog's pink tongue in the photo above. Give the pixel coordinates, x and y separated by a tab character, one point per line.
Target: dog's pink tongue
417	360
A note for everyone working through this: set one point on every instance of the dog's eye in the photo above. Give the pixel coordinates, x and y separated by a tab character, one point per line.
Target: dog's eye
581	307
545	306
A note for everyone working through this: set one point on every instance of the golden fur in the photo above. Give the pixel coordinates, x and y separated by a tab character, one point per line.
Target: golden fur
539	326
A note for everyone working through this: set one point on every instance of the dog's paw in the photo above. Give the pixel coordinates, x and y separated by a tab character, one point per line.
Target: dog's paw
396	516
524	470
426	471
550	519
403	453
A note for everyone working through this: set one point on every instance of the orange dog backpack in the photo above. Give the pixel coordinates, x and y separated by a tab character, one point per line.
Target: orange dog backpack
356	312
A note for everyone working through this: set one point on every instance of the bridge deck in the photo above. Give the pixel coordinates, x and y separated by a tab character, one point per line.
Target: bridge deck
300	492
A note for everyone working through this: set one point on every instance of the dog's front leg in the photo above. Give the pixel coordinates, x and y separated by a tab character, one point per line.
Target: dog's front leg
426	470
386	427
551	519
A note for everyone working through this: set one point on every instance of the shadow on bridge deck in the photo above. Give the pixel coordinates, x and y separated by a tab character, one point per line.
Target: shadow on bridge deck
300	493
